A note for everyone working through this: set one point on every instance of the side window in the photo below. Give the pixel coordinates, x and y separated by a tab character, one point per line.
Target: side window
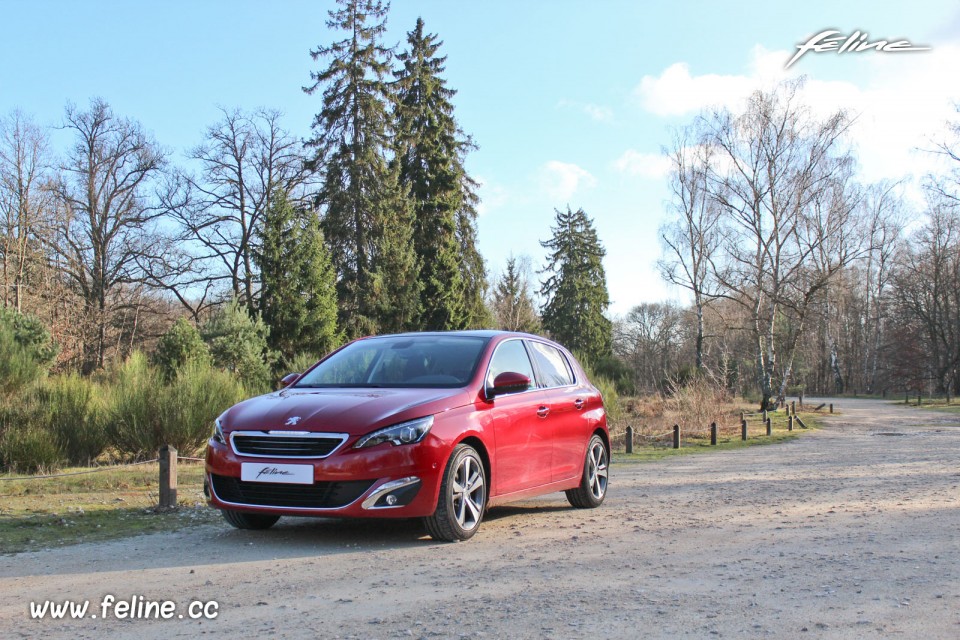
554	367
509	356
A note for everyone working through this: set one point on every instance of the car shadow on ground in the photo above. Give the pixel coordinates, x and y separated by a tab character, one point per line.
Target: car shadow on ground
219	543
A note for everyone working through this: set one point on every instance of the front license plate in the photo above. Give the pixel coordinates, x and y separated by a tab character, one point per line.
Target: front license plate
280	473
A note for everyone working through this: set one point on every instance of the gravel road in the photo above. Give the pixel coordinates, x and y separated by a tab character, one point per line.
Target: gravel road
847	532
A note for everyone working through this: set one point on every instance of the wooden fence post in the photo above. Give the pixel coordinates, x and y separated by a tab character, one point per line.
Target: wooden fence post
831	407
168	476
713	433
790	423
800	422
918	398
629	439
676	436
764	415
769	430
906	399
793	407
743	429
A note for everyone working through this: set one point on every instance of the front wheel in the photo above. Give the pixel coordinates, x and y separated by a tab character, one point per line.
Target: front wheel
243	520
463	497
593	482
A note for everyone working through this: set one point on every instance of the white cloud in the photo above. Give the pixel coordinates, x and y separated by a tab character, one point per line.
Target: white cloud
676	92
900	102
492	196
560	180
646	165
596	112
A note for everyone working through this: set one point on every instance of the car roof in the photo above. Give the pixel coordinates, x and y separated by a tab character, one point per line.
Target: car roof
474	333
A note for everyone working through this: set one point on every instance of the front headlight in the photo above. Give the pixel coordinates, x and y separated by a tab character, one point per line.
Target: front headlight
403	433
218	432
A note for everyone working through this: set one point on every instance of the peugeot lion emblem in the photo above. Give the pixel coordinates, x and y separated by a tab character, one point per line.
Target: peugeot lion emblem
292	420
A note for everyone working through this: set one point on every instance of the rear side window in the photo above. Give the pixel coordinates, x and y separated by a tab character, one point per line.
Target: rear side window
510	356
554	367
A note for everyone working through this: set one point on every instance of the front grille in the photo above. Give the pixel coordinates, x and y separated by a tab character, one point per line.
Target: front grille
320	495
268	445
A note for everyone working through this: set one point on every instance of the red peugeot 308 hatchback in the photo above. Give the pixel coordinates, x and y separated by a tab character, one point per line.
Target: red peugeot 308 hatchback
438	426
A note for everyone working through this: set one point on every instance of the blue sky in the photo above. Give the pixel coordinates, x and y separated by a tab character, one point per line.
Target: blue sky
569	102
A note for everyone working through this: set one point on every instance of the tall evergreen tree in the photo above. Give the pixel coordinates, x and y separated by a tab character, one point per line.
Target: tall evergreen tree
366	215
429	151
473	271
512	303
298	299
576	286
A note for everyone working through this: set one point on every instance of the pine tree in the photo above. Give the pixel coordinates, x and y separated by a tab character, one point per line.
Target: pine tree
512	303
365	214
429	153
473	270
298	300
576	287
238	343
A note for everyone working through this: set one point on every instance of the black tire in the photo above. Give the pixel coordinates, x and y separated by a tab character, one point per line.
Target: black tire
593	482
463	497
243	520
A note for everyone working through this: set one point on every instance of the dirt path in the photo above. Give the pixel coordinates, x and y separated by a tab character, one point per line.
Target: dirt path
849	532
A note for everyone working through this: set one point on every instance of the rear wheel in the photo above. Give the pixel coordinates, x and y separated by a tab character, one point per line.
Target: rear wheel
243	520
463	497
593	483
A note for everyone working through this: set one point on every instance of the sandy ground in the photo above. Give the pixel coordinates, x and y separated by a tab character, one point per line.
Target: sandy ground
849	532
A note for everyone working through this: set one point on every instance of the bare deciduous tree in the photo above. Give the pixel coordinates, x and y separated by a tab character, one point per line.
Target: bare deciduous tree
244	161
106	219
783	184
692	239
24	203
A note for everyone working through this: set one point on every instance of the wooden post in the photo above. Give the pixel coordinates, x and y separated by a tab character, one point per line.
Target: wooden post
793	407
769	431
800	422
168	476
918	398
764	415
713	433
676	436
742	416
801	399
906	399
831	407
743	429
629	442
790	423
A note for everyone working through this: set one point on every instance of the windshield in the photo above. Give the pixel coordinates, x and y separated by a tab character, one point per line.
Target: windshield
428	361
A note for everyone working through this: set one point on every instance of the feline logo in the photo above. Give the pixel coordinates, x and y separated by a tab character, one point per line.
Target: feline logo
831	39
292	420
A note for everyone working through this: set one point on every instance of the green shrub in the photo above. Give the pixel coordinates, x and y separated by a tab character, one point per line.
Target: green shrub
180	345
73	411
29	449
191	403
18	365
132	422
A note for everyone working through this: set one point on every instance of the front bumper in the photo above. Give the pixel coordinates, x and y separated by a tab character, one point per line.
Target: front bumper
385	481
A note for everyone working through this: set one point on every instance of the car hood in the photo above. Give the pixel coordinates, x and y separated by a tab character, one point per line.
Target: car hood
352	411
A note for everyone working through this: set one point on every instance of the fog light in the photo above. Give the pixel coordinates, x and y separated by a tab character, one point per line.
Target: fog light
391	500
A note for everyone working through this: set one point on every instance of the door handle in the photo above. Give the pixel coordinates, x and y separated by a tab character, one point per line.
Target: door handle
543	411
578	403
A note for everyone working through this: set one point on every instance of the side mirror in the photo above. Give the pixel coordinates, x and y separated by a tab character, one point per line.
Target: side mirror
508	382
288	379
